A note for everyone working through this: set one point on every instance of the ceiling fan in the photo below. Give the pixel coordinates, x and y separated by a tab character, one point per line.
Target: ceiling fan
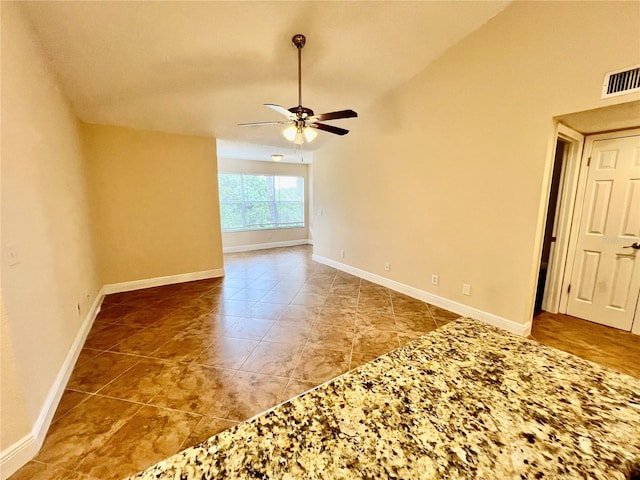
302	122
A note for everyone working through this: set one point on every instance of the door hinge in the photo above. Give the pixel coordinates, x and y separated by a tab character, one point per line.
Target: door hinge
569	289
589	162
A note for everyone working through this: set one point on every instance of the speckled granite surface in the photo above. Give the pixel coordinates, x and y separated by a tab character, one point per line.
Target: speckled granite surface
465	401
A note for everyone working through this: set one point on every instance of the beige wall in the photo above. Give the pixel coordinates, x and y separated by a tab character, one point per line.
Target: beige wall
45	218
154	203
445	175
240	239
13	416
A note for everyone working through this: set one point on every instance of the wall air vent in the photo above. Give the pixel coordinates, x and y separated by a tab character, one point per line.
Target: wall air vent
621	82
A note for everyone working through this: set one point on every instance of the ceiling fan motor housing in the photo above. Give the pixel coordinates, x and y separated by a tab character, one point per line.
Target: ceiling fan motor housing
301	112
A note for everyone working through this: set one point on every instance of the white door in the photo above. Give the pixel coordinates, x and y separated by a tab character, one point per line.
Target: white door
605	278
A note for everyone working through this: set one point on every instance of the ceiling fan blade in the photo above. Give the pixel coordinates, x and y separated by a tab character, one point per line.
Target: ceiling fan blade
280	110
335	115
329	128
251	124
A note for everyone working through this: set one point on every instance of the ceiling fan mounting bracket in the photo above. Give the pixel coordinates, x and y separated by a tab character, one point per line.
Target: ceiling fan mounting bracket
299	40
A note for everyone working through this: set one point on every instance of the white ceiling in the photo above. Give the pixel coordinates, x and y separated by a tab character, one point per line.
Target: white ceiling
239	150
203	67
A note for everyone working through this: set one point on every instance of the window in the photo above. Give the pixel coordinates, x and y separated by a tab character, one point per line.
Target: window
254	202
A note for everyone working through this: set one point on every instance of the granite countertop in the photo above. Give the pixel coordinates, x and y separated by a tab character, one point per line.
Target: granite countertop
465	401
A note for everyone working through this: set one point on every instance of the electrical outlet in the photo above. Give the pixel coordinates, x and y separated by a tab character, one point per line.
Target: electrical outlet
341	253
435	280
466	289
387	266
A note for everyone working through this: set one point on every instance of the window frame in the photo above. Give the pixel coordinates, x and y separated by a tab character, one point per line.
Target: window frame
244	201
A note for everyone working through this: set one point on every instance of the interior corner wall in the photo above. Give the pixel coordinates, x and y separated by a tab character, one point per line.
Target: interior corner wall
49	277
280	236
448	174
154	201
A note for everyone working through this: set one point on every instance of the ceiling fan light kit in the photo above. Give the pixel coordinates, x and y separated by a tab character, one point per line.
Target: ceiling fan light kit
302	122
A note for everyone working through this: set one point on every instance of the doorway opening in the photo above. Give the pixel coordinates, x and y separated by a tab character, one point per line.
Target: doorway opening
562	148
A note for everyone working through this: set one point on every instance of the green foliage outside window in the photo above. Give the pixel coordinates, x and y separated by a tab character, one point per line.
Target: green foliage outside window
252	202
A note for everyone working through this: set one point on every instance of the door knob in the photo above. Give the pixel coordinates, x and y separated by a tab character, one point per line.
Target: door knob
635	246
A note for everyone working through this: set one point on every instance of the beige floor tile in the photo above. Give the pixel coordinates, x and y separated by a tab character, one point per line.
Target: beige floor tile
87	354
373	319
143	342
319	364
274	296
144	317
84	429
288	332
332	337
40	471
309	298
144	380
236	308
297	387
114	313
254	393
197	389
360	358
417	324
345	289
375	341
249	328
442	316
266	311
91	376
151	435
249	295
109	336
211	324
337	317
226	352
69	401
184	347
300	313
271	358
341	303
205	429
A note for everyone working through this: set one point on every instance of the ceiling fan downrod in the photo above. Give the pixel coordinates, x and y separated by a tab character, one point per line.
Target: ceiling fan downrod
299	40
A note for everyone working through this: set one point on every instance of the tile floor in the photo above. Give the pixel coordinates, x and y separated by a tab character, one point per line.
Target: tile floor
165	368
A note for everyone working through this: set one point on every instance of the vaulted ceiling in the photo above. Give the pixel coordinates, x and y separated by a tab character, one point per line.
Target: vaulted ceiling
203	67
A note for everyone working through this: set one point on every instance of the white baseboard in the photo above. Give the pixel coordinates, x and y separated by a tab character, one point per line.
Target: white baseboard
264	246
160	281
18	454
455	307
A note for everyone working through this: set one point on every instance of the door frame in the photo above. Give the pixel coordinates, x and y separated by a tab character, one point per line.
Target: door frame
579	204
563	216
